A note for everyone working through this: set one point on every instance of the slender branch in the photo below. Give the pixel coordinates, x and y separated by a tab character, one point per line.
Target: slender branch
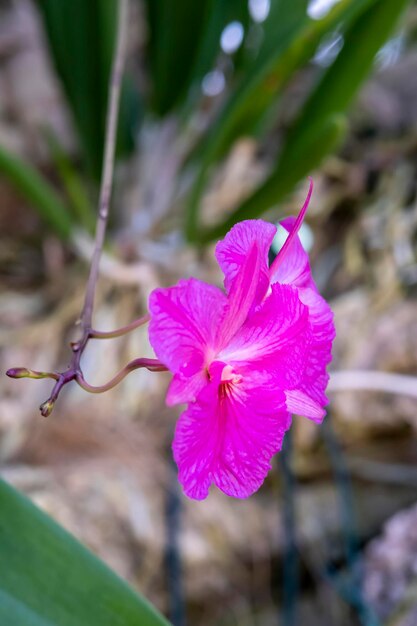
373	381
153	365
46	407
111	334
108	163
74	369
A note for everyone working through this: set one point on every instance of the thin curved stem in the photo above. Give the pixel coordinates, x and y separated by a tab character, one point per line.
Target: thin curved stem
153	365
108	162
119	332
74	369
46	407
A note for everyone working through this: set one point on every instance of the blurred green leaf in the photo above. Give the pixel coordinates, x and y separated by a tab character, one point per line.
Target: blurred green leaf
184	42
37	191
315	132
290	43
284	16
47	578
341	81
73	184
367	26
175	32
291	39
81	36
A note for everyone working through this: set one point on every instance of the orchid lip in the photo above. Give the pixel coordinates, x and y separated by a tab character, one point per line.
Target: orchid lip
224	373
229	375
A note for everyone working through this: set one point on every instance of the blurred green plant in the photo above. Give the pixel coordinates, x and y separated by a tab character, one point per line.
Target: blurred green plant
81	38
182	47
78	197
38	192
320	126
184	41
47	578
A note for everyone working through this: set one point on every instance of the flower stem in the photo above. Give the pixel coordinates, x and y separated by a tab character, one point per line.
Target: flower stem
152	365
98	334
108	164
74	369
46	407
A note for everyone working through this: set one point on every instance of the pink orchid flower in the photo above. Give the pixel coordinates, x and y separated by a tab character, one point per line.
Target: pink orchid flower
243	360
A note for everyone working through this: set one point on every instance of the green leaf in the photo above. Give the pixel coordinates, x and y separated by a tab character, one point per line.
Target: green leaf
81	36
73	184
175	32
291	42
184	41
37	191
284	16
319	127
340	83
220	15
291	39
47	578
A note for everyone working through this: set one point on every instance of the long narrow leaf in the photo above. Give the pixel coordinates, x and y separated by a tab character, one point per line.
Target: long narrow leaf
37	191
311	137
81	38
221	14
47	578
340	83
77	194
317	130
290	42
295	43
176	29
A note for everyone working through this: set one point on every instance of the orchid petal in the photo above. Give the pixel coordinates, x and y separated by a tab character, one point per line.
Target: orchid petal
320	353
185	388
275	338
233	250
300	403
241	296
184	324
288	247
228	437
243	361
